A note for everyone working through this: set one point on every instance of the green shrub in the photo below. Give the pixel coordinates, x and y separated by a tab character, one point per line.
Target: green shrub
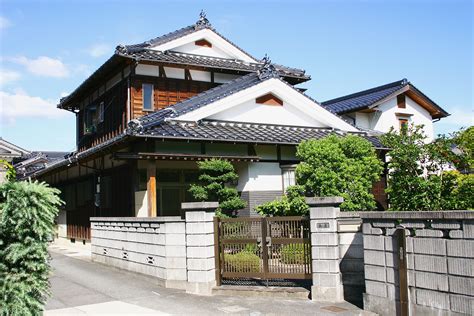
244	261
292	204
295	254
27	212
340	166
217	181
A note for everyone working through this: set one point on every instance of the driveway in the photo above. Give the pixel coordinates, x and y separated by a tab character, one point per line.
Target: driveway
82	287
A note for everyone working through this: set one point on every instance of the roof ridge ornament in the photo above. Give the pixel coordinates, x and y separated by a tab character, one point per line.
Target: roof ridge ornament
267	69
203	22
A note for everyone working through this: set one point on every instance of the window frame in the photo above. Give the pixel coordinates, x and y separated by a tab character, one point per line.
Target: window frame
100	117
152	96
287	169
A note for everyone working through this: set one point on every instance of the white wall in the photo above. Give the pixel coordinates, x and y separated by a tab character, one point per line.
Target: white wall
141	204
386	117
191	48
251	112
259	176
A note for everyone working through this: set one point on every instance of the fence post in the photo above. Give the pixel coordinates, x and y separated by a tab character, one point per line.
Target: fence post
327	282
200	252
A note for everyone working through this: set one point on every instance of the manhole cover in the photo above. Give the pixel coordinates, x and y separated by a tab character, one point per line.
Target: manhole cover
335	309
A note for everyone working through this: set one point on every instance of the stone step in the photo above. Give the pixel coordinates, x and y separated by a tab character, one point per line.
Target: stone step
262	291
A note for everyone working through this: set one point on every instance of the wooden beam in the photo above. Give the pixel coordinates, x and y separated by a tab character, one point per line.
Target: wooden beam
151	188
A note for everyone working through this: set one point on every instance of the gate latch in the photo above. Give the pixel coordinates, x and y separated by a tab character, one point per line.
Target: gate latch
259	240
269	241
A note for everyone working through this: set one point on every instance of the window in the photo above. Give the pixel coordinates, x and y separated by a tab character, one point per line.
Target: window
147	96
401	101
288	175
101	112
403	124
90	120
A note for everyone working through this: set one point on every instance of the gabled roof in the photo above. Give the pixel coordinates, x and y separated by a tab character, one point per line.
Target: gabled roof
10	150
202	23
372	97
143	52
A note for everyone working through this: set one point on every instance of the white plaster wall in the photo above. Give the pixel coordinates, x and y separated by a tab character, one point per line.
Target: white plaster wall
387	118
260	176
200	75
252	112
176	73
141	204
147	70
191	48
362	120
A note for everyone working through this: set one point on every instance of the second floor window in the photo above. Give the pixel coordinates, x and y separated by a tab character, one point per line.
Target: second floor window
147	96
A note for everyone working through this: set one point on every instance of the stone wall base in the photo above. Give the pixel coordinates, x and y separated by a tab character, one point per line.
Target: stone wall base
200	288
325	294
385	306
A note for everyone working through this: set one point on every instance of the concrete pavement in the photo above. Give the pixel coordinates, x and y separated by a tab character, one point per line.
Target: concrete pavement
82	287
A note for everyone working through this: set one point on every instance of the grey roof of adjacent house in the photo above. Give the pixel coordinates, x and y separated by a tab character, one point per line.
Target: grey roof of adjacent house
366	98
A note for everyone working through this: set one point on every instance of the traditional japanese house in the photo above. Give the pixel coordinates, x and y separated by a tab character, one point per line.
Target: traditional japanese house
153	109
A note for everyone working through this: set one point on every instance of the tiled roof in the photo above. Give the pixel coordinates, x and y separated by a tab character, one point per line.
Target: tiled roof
202	23
243	132
363	99
172	57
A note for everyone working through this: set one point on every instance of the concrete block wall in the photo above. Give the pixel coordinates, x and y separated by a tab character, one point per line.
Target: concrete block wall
178	252
152	246
337	252
439	256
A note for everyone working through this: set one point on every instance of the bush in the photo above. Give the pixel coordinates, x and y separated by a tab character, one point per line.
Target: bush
340	166
216	179
27	212
244	261
292	204
295	254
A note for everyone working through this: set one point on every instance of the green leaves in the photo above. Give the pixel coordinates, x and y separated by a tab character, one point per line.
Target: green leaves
216	180
292	204
27	213
340	166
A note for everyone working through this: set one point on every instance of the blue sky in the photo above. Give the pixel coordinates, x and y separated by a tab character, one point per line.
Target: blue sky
49	47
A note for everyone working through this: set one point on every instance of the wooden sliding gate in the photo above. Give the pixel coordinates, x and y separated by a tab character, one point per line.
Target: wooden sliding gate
263	248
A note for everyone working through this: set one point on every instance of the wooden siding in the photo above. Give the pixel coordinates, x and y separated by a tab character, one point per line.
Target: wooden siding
115	117
167	92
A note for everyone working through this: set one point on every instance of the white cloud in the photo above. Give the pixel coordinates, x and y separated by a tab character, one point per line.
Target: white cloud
43	66
99	50
20	105
4	23
7	76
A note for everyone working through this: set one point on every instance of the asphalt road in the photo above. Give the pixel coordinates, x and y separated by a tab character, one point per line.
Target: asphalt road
81	287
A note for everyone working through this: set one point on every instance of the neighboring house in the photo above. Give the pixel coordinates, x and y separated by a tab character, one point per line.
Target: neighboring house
391	105
11	153
37	160
153	109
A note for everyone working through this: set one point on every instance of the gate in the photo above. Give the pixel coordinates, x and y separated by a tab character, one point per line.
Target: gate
263	248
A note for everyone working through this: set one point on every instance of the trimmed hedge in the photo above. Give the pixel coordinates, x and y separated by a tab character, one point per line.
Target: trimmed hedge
244	261
295	254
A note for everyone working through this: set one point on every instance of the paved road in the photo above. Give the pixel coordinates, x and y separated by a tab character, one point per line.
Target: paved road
82	287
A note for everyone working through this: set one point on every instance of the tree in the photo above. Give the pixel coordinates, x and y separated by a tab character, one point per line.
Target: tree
215	180
418	180
27	212
340	166
408	188
10	171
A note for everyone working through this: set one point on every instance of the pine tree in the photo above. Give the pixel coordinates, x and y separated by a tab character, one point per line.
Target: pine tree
27	213
216	179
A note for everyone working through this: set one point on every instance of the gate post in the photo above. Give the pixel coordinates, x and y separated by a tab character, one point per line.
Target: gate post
200	257
327	282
